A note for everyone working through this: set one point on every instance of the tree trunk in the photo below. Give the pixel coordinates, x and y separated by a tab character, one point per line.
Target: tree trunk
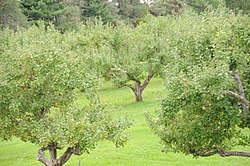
138	88
53	155
138	91
241	96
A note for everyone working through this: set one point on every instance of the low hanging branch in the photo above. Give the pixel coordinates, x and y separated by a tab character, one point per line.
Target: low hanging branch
206	152
224	153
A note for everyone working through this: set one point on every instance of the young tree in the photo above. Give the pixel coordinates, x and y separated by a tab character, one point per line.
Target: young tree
128	55
39	80
207	101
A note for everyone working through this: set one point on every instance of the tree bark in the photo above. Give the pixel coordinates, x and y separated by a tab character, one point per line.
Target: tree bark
138	91
223	153
206	152
53	155
40	157
138	88
65	156
240	96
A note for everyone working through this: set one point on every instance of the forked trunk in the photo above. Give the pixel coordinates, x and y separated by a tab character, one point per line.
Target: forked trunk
53	155
138	88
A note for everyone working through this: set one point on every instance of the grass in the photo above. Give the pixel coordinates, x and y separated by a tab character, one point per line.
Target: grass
142	149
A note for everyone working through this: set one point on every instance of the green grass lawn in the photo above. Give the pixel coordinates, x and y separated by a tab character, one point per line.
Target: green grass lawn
143	147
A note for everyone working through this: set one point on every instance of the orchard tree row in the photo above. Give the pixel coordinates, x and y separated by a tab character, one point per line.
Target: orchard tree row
204	60
68	14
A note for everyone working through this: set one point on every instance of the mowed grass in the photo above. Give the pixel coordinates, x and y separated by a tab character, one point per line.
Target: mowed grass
143	147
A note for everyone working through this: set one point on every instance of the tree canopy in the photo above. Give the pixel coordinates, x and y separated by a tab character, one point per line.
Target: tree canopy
206	106
39	82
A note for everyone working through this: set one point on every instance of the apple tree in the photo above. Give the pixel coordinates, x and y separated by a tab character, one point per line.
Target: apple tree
130	57
206	107
39	81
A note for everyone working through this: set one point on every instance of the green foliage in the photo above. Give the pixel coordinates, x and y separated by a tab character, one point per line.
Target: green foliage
202	5
167	7
40	77
237	5
129	54
70	18
197	116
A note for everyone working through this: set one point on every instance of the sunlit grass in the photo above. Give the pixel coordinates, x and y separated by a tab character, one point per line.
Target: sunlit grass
143	147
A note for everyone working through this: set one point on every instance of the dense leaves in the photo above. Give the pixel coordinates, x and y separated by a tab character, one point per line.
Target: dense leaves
204	60
200	115
40	79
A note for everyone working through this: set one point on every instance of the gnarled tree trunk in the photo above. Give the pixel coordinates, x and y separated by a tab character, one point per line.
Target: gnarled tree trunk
205	152
138	88
53	155
138	91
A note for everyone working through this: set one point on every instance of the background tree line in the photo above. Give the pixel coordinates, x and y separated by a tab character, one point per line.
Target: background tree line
67	14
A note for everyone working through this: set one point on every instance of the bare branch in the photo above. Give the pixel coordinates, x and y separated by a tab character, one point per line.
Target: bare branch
205	152
65	156
239	83
147	80
244	100
121	70
224	153
130	86
40	157
241	96
125	72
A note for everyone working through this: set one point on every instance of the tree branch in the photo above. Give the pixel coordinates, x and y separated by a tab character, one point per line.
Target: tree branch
205	152
67	154
40	157
244	100
147	80
130	86
125	72
224	153
241	96
239	83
